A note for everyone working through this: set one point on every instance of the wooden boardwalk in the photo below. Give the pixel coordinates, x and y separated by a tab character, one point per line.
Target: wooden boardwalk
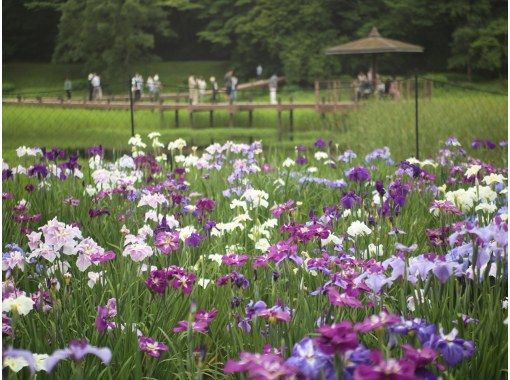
154	106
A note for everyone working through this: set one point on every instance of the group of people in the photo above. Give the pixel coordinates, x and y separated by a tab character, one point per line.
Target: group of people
197	89
365	85
153	84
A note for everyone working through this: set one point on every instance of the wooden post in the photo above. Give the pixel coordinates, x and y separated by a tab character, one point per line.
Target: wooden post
176	118
429	89
230	114
339	87
211	119
161	115
279	110
317	93
323	115
291	119
250	115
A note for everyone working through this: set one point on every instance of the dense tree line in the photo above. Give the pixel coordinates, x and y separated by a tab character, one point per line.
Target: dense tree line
285	36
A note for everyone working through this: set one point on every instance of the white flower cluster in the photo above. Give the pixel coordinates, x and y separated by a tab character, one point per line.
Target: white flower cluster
358	228
256	198
467	199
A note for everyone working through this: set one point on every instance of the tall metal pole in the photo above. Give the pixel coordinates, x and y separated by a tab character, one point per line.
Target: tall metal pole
132	109
416	114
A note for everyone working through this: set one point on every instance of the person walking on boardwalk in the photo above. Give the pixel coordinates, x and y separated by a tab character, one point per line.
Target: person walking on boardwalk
193	93
228	82
233	88
259	72
157	87
97	92
68	88
91	88
214	87
202	85
150	87
273	87
137	85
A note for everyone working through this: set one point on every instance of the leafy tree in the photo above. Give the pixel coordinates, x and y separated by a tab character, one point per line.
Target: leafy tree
480	38
108	36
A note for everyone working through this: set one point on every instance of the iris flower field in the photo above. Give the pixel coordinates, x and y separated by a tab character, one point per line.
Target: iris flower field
234	262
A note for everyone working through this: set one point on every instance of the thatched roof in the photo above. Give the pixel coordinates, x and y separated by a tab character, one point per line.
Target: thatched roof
374	43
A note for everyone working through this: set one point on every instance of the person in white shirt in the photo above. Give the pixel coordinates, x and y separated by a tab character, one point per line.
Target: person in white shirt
214	86
259	72
150	87
193	92
233	90
273	86
202	85
91	89
97	93
157	87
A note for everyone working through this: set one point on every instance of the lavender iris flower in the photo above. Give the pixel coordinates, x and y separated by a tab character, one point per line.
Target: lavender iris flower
24	354
311	362
76	351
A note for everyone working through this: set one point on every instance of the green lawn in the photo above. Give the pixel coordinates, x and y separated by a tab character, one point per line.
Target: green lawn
375	124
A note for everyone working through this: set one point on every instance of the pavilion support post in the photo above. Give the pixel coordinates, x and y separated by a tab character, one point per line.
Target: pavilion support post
374	70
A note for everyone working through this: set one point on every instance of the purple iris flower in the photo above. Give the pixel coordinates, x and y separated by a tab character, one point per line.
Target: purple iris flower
167	241
349	199
234	260
358	174
254	308
76	351
300	148
6	325
301	160
209	225
443	271
194	239
6	174
38	169
95	212
96	150
205	205
391	369
151	347
379	186
311	362
320	143
336	338
157	281
105	314
453	349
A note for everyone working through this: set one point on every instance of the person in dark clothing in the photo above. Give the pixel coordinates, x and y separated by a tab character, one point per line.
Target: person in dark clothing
91	88
68	88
